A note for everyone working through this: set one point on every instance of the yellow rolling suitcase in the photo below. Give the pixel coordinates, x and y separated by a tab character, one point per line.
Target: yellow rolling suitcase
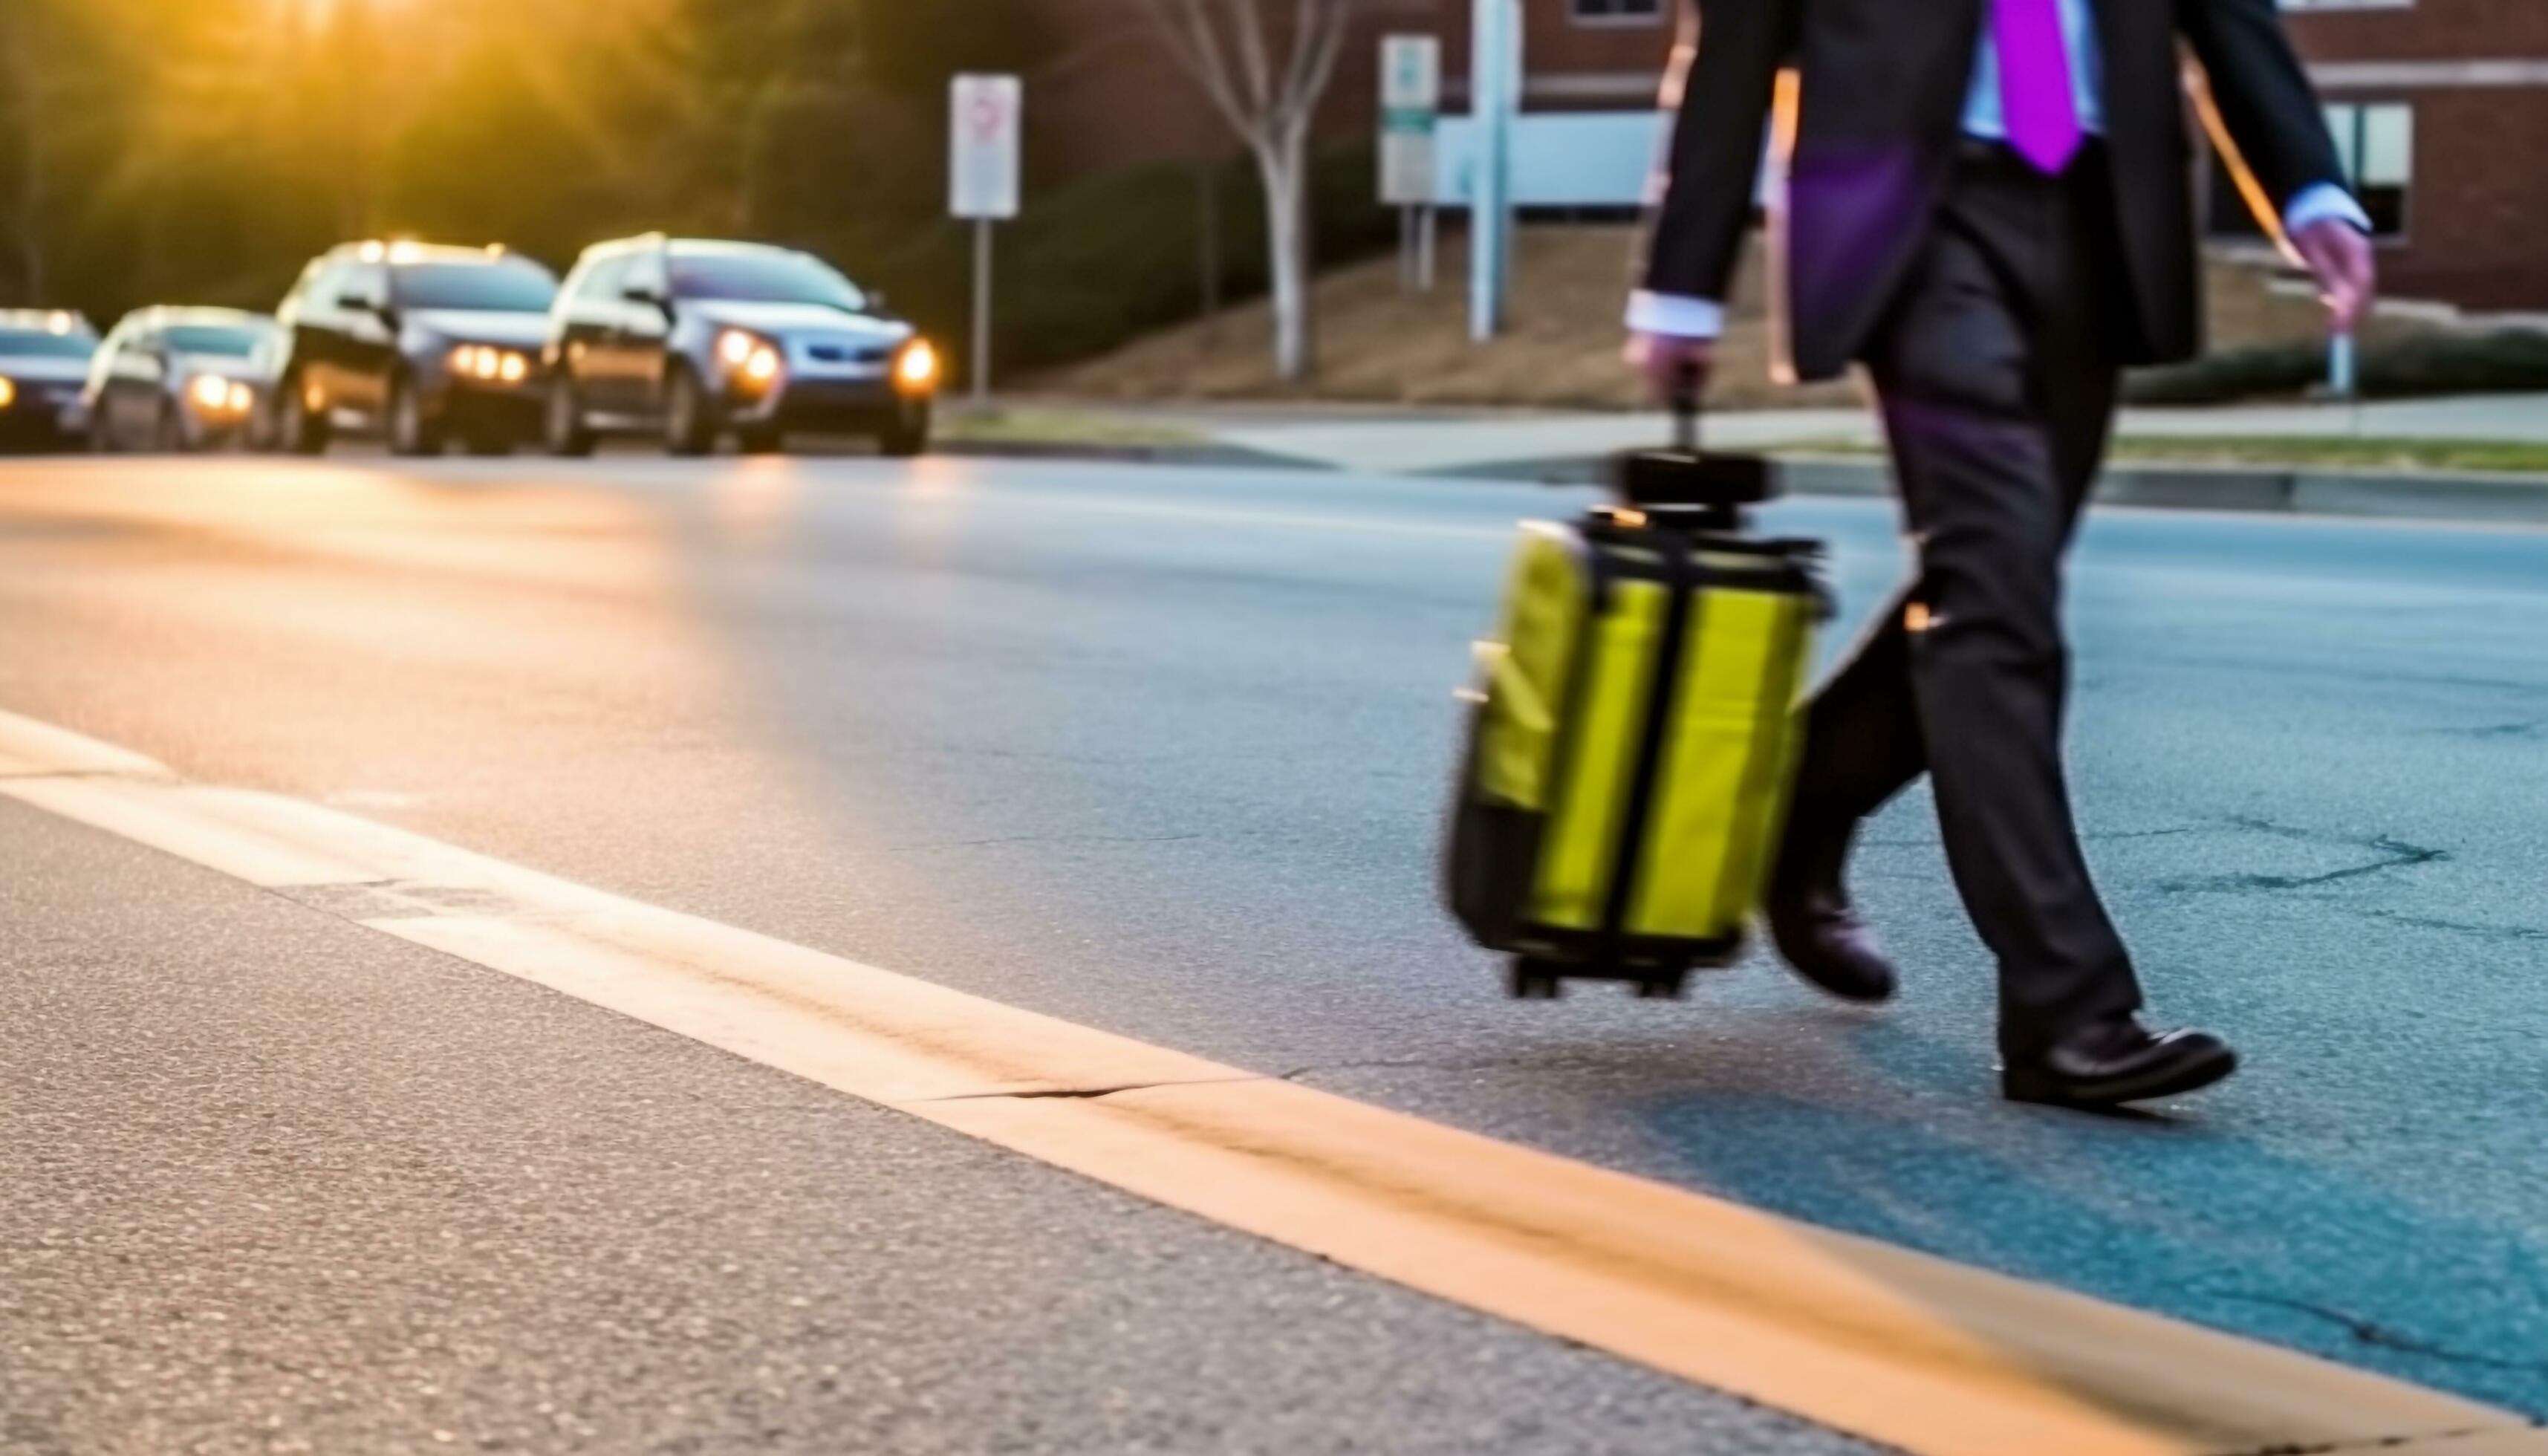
1633	730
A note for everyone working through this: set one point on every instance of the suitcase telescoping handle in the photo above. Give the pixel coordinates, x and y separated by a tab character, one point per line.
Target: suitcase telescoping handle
1684	409
1685	485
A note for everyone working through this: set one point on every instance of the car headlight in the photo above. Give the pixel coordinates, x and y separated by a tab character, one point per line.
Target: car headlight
215	394
751	357
915	369
490	364
8	392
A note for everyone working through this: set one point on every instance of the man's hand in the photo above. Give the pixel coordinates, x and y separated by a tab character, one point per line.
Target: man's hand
2341	257
1676	368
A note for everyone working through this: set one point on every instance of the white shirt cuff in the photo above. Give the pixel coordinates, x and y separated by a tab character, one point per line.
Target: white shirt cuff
2321	202
1674	315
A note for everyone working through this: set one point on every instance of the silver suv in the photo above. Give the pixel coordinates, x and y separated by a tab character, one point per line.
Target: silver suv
43	365
699	339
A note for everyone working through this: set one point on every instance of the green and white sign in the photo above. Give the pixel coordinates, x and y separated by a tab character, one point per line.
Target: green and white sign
1410	104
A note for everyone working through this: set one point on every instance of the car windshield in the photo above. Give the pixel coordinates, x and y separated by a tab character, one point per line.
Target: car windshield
236	341
42	343
493	287
764	278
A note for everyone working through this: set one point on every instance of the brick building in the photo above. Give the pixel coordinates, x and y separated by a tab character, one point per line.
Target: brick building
2440	109
1115	95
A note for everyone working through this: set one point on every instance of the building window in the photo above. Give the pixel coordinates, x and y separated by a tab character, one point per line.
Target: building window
1615	12
2375	145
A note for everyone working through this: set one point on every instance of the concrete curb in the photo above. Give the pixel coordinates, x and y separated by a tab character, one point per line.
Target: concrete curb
2471	497
1193	455
2475	498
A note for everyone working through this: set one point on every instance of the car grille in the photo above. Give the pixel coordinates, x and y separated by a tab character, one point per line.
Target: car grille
834	351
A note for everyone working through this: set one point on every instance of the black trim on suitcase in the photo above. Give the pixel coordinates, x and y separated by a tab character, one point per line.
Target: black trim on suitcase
1599	571
1759	762
1683	579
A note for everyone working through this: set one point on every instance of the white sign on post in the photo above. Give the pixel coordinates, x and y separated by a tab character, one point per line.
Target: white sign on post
983	135
982	172
1410	104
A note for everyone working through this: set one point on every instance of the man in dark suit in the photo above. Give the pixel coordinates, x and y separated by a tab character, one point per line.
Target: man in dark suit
1990	208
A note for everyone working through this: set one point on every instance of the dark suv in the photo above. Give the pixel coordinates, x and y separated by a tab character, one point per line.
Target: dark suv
698	339
419	343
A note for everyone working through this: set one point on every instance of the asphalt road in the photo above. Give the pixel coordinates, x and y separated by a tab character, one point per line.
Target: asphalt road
1161	752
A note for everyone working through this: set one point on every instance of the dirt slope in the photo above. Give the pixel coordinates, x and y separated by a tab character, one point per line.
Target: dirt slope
1571	281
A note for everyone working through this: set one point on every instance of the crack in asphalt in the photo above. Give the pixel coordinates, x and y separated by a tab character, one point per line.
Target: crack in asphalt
2533	728
2393	853
1091	1094
2518	934
2089	836
2380	1336
2420	1441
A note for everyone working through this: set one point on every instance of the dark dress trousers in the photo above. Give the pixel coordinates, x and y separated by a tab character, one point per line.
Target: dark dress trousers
1993	308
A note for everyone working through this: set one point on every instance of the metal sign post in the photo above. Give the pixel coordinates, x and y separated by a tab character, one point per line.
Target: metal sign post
1495	99
1411	104
982	186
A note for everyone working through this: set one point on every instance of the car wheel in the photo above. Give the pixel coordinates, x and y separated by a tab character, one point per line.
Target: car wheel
689	419
299	429
762	439
564	431
411	432
905	435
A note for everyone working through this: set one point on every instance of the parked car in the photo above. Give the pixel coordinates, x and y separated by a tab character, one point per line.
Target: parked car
697	339
417	343
45	358
181	379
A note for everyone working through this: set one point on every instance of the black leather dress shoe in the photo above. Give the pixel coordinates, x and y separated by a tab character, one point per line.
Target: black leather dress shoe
1824	943
2112	1063
1810	921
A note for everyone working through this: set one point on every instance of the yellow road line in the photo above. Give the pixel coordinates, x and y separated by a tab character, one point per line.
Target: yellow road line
1889	1344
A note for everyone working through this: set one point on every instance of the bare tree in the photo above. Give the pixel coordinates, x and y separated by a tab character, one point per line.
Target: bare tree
1265	64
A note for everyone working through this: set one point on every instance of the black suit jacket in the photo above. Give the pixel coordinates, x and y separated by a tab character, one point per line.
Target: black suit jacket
1884	84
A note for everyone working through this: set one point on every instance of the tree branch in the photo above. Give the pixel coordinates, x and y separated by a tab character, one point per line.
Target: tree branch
1197	48
1332	46
1247	17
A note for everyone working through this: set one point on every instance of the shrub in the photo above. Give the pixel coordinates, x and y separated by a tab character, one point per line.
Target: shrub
2508	360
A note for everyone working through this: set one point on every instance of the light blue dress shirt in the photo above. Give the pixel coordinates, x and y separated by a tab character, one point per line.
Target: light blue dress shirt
1689	318
1982	117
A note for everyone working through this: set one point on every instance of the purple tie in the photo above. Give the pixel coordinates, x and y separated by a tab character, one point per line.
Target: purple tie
2036	104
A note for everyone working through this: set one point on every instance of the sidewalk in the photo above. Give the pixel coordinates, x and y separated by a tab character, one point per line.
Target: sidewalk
2478	459
1402	442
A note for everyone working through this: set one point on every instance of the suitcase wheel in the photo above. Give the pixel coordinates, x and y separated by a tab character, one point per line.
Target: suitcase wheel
1671	986
1535	980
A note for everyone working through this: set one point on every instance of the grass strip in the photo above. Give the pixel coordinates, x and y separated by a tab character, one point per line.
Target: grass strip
2332	452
